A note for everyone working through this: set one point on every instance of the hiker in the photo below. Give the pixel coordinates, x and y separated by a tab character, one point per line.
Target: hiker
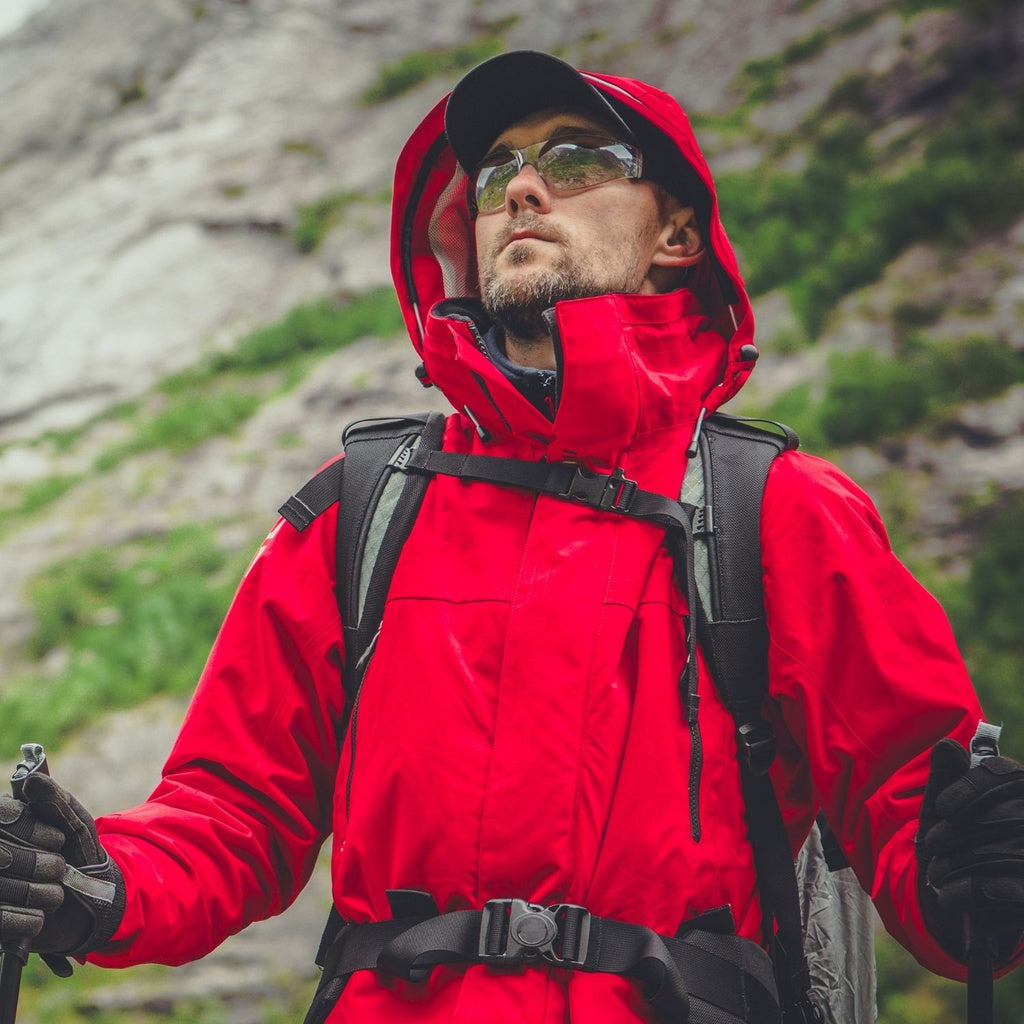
536	800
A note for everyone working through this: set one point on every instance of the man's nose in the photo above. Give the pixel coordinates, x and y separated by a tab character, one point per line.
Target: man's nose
527	190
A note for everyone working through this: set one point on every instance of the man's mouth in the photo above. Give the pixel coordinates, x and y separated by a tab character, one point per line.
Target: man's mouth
523	236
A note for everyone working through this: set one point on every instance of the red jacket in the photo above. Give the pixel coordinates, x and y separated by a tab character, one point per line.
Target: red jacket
519	732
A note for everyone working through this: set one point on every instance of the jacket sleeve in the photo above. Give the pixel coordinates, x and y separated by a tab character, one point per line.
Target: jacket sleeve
231	833
866	676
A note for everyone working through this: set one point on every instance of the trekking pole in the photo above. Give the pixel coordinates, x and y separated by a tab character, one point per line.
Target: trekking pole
14	956
979	945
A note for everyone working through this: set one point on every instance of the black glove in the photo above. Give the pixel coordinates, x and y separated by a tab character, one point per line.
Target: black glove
66	903
970	849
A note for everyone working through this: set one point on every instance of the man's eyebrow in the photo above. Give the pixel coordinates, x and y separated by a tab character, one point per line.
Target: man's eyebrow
560	134
577	131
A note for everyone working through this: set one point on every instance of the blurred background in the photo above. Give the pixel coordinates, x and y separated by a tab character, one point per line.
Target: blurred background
195	298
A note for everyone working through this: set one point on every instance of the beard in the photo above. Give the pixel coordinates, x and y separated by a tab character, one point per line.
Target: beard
517	301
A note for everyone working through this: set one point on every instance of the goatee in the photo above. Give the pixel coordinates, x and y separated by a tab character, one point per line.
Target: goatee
518	305
517	299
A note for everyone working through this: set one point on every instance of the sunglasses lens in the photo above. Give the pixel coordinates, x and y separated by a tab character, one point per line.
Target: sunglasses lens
565	166
569	167
491	183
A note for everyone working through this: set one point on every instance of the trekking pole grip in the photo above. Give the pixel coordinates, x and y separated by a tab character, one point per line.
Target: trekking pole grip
980	948
15	954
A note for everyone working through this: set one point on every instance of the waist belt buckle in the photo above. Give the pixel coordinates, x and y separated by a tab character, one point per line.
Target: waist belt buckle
513	931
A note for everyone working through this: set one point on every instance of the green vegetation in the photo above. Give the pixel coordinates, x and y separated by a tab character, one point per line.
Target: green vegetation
43	492
317	218
131	89
219	395
303	147
127	623
834	226
869	397
154	996
760	79
406	73
224	391
985	616
313	328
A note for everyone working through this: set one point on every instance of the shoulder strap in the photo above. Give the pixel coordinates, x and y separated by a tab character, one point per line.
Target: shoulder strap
380	506
728	481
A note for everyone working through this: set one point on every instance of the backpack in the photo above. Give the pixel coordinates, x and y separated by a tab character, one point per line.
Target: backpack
822	939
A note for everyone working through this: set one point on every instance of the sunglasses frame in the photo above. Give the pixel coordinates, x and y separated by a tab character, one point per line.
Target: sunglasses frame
523	155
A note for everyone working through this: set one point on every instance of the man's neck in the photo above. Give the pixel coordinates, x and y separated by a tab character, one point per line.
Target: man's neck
536	352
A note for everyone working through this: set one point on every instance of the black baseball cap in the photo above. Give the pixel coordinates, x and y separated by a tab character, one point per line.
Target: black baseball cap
513	85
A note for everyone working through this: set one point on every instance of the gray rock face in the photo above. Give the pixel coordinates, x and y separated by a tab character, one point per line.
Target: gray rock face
148	189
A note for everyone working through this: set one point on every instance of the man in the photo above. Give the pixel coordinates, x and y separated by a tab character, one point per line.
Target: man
519	734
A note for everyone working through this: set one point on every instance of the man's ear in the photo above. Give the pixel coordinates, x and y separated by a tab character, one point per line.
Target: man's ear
680	243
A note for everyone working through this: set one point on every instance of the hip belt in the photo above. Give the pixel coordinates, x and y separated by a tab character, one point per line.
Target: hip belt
698	976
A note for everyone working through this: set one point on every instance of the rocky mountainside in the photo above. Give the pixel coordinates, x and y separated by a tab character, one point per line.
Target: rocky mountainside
157	161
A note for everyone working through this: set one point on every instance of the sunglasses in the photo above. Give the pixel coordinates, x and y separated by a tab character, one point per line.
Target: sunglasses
565	166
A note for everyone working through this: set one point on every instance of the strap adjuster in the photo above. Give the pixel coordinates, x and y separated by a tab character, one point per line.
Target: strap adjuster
612	493
513	931
757	743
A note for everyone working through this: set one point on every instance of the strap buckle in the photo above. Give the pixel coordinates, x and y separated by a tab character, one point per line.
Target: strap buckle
757	742
612	493
513	931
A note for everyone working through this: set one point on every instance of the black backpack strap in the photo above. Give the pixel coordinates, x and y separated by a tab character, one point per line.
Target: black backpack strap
697	974
736	459
380	506
315	496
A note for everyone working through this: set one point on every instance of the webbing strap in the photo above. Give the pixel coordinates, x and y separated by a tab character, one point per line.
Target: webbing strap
612	492
700	976
734	635
313	497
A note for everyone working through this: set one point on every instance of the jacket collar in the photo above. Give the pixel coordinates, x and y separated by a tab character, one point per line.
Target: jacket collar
635	373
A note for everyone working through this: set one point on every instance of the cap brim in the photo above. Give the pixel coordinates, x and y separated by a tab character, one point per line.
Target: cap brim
512	86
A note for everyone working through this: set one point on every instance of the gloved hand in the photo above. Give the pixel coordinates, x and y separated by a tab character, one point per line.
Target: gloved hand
59	891
970	849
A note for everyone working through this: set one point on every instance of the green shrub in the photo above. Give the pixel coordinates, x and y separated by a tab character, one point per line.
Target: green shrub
316	219
798	409
131	623
835	226
44	492
406	73
869	397
315	327
219	396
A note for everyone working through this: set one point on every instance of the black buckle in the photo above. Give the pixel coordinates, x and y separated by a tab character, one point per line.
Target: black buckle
757	741
613	493
513	931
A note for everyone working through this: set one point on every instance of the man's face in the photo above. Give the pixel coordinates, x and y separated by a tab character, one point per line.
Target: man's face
542	246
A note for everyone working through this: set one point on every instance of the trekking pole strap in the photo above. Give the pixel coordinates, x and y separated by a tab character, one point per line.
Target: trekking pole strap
731	976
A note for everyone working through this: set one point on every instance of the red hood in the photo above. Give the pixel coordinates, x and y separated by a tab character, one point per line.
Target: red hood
683	353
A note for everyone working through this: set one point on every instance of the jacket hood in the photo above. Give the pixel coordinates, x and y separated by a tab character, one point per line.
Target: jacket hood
433	255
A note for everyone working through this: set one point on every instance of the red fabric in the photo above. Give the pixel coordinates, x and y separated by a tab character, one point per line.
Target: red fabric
520	730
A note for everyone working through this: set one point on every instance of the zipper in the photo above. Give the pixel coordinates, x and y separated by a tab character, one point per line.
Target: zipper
681	549
361	668
551	320
692	706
